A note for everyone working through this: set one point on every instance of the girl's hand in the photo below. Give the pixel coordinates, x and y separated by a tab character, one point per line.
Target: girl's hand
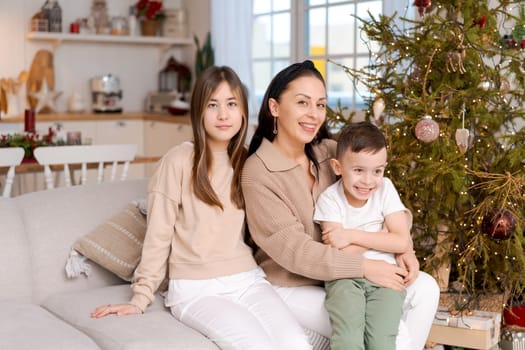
337	237
118	309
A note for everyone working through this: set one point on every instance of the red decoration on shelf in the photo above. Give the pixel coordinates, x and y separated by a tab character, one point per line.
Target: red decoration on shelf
499	224
422	6
427	129
29	120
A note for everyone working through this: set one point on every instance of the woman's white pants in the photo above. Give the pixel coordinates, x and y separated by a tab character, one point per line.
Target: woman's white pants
307	304
238	312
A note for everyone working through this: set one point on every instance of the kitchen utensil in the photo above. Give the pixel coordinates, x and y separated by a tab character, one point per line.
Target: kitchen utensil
106	94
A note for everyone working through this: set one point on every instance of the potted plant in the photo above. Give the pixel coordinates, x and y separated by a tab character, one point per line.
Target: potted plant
205	55
149	13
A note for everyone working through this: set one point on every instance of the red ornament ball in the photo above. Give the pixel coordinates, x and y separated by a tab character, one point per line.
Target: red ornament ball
422	6
427	129
499	224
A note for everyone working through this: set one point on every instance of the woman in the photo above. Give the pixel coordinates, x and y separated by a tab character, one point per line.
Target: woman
196	231
288	167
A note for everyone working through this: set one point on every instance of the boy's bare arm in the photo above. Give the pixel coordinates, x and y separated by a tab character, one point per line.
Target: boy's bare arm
396	238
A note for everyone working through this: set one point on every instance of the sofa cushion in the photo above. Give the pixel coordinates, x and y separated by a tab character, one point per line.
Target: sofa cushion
116	244
28	327
15	281
155	329
55	219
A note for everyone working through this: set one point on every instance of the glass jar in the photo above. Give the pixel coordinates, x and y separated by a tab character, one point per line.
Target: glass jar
119	25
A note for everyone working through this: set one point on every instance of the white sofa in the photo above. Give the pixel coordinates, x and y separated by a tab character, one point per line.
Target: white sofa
40	308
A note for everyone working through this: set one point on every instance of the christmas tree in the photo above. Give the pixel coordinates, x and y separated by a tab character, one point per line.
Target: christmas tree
448	89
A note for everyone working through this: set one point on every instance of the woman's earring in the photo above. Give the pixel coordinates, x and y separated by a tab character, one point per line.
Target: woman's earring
274	126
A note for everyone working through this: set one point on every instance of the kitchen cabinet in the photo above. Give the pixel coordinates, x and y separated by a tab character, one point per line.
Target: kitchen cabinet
125	131
153	133
160	136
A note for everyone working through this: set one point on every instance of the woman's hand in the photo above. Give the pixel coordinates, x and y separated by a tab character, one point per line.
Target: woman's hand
384	274
409	262
118	309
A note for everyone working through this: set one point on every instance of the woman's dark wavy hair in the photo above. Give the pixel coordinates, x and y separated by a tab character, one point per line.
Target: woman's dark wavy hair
206	84
277	86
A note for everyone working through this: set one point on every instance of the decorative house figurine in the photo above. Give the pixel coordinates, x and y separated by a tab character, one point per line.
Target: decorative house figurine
175	76
169	76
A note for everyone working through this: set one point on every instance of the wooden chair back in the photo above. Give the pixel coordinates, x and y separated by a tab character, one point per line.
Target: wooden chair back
84	155
10	157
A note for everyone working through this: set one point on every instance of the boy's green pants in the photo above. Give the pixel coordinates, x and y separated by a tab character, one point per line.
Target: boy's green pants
363	315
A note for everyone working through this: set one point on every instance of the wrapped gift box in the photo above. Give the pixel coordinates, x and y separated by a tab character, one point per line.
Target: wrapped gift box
512	339
481	330
483	302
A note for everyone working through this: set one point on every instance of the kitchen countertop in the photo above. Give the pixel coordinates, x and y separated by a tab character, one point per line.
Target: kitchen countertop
32	167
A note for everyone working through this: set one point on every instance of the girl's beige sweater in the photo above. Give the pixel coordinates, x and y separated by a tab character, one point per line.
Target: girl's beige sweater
189	237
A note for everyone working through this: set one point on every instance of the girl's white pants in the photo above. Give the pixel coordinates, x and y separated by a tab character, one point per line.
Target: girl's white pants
238	312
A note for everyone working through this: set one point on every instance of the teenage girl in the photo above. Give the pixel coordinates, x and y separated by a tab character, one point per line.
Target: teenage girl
195	230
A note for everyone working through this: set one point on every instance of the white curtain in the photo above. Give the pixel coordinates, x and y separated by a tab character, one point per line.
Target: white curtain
231	35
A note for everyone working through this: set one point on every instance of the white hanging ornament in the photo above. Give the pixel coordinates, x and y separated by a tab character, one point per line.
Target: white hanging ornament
504	85
486	85
427	129
462	137
378	108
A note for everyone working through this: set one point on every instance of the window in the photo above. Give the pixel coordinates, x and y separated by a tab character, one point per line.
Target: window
286	31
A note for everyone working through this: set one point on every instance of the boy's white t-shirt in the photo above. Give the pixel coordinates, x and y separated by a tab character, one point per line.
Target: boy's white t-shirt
332	206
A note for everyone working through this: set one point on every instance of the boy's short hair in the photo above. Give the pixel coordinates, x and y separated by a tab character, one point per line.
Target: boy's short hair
361	136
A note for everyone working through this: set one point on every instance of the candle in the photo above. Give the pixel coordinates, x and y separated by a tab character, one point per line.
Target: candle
29	120
74	138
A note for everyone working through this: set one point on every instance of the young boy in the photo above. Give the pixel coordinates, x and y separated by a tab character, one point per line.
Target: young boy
362	212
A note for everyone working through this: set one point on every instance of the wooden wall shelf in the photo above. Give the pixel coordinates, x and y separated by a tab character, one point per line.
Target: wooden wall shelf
59	38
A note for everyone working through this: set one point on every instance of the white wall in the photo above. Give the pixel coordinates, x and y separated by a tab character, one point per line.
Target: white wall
76	63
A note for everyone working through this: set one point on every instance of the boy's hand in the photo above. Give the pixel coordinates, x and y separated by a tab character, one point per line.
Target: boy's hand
336	236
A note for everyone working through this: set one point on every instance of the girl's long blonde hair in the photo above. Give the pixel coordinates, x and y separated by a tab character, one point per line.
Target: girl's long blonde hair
206	84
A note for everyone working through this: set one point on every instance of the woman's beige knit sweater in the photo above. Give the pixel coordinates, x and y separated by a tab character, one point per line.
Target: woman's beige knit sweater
280	208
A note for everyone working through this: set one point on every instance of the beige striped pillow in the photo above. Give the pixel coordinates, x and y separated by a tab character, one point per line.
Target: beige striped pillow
116	244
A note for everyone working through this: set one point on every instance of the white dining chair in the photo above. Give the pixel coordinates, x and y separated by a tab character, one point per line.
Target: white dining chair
114	154
10	157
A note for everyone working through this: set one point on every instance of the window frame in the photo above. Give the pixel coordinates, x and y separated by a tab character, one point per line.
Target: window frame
298	12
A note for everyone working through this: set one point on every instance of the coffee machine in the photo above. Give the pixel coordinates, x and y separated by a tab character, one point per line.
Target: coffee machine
106	94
